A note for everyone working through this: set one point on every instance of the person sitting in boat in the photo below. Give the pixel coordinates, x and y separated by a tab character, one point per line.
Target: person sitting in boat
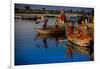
81	32
60	19
44	20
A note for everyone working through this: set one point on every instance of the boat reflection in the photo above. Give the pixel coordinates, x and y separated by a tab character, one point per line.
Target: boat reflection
45	43
72	50
55	37
69	50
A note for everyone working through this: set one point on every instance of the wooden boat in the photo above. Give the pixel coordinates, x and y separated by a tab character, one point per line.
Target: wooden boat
78	41
50	30
78	37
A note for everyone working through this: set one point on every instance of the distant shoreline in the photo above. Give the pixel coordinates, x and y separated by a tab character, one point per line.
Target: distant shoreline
26	15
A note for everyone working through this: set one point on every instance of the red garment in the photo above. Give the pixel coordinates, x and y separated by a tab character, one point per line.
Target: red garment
71	30
61	17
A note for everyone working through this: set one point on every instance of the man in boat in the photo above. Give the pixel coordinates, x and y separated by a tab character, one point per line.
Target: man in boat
60	19
45	23
44	20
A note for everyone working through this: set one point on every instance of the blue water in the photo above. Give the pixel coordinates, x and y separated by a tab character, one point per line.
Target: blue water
33	49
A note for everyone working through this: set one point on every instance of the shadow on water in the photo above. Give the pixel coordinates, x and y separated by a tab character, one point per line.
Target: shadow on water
56	37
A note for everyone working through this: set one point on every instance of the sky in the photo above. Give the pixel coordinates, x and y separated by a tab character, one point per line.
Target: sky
48	7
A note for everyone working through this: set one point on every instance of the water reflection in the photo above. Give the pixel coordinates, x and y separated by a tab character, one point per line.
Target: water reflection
72	50
32	48
45	43
69	50
56	37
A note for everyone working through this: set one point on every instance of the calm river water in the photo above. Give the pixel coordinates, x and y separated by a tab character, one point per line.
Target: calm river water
31	48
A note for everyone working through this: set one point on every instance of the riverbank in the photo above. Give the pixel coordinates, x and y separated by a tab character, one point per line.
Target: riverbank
26	15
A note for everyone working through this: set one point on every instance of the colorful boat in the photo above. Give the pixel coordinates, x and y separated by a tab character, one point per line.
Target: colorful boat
78	35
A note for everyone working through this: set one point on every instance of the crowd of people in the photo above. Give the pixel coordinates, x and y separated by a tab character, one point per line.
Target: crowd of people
78	29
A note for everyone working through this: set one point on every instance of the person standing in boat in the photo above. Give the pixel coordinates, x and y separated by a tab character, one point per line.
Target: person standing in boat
71	28
60	19
43	20
45	23
63	17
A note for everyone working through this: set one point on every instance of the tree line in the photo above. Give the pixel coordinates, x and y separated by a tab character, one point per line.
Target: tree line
29	10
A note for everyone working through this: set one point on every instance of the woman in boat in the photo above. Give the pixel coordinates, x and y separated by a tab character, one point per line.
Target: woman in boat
82	32
70	29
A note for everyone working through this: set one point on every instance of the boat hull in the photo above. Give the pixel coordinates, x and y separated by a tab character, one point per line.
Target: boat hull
79	42
50	31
